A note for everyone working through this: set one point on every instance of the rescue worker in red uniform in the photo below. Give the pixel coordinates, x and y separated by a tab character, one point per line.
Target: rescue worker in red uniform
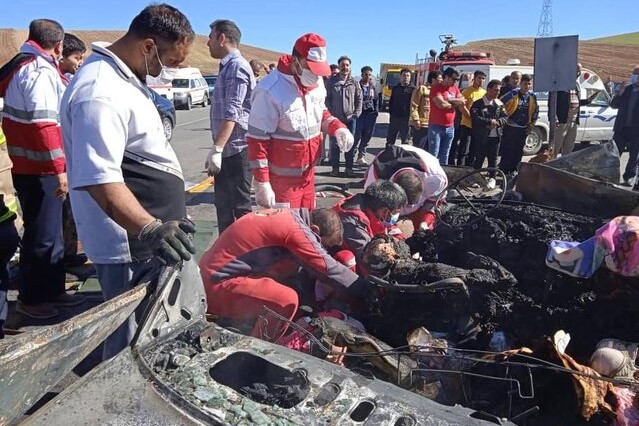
418	173
375	212
251	263
287	118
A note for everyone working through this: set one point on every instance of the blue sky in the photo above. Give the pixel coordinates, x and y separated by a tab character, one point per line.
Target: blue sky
369	32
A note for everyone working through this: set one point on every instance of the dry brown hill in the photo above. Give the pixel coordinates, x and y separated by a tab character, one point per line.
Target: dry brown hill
12	39
603	58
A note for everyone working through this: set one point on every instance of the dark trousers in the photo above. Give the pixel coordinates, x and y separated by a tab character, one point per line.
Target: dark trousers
397	125
624	141
363	134
9	240
232	190
420	138
41	266
454	146
486	148
333	149
512	148
465	149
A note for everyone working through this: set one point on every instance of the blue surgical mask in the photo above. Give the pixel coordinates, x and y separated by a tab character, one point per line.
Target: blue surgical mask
634	78
391	221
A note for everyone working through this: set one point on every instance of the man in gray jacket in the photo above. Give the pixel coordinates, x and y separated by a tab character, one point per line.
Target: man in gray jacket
344	101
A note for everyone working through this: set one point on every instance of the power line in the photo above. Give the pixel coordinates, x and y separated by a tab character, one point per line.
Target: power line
545	20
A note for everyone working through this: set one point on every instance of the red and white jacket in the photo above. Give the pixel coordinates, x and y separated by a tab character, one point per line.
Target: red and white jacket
285	125
30	115
396	159
361	225
272	243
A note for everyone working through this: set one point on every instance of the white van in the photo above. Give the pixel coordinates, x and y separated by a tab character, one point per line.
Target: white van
189	88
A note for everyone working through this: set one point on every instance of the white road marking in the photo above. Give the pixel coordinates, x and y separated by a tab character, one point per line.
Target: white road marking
192	121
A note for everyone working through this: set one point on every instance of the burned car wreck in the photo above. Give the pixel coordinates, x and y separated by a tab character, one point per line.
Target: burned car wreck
183	370
469	326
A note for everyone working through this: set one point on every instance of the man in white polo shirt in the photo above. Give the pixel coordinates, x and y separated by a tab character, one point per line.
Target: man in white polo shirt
127	185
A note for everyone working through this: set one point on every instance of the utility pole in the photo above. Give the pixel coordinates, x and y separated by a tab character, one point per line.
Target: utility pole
545	30
545	20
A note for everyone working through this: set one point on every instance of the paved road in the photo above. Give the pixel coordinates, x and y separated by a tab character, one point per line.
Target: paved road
192	140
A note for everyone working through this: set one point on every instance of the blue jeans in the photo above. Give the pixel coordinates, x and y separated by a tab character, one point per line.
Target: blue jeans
114	280
439	140
333	150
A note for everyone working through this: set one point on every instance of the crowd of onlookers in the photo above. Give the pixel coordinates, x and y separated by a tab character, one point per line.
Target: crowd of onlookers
459	118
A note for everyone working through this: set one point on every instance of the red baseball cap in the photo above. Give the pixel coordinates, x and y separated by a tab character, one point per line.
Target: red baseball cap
312	47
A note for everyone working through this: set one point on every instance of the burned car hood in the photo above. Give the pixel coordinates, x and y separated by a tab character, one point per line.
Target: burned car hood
183	370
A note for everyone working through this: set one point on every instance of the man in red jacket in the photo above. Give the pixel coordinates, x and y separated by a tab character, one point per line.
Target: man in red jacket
418	173
285	126
375	212
256	259
32	86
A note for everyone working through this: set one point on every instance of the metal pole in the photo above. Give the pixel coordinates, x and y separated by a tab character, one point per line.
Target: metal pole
552	115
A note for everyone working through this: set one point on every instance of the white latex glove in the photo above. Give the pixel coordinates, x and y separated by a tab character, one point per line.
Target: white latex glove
424	226
344	139
264	195
213	163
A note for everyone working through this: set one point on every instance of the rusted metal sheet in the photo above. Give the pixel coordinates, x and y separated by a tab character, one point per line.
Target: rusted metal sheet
567	191
32	363
600	162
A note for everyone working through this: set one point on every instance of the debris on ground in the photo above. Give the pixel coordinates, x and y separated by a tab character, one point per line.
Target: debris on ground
514	302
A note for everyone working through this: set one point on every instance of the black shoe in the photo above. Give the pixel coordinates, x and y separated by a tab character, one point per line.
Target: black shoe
626	182
73	260
334	173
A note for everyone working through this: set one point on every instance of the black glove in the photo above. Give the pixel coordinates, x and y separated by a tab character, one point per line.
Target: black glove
363	289
170	240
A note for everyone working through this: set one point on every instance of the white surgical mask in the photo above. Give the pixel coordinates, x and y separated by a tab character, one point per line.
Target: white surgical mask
166	74
308	78
634	78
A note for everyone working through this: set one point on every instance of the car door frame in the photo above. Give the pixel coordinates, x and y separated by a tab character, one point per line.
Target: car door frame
597	119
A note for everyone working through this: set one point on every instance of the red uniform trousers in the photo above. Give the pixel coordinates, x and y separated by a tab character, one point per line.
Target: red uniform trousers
245	297
298	191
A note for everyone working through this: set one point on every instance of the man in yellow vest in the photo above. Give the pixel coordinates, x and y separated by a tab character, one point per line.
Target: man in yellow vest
420	110
6	183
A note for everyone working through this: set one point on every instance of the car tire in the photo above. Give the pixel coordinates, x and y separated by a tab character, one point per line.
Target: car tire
534	141
205	100
167	125
189	103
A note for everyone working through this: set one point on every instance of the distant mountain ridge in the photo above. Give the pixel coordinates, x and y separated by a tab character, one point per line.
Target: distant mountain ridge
627	38
615	59
11	40
614	55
